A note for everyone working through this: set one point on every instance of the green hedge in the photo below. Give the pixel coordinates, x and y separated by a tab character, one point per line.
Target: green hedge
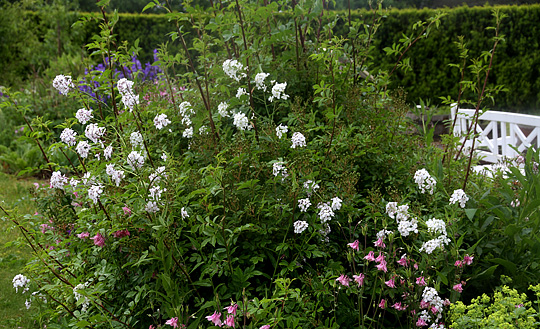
516	62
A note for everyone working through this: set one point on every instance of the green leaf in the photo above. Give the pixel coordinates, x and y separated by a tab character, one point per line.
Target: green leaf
148	6
83	323
470	213
506	263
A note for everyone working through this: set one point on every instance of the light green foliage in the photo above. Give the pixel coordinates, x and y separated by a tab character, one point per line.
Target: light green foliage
507	308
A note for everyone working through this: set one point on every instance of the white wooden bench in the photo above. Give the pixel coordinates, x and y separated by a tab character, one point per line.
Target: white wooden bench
497	132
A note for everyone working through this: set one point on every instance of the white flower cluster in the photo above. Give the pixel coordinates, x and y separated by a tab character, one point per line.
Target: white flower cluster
382	234
425	181
298	140
310	187
325	212
459	196
300	226
129	99
186	111
83	148
184	213
63	84
20	281
233	69
68	136
259	81
58	180
240	92
278	92
94	133
336	203
84	115
436	226
154	197
278	168
94	192
280	130
222	109
241	121
188	132
431	245
304	204
135	160
431	296
116	175
157	175
107	152
161	121
401	215
136	139
78	296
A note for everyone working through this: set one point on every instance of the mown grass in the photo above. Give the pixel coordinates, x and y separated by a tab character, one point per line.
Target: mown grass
14	253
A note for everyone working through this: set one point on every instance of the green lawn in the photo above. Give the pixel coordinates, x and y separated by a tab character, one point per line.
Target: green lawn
14	194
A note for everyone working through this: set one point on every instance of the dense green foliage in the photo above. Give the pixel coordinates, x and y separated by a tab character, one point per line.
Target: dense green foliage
516	65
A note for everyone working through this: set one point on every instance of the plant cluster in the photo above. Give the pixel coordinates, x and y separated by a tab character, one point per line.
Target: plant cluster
264	180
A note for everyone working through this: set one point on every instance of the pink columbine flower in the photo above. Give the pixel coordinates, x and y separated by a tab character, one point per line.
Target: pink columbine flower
230	321
380	258
382	304
36	185
215	319
403	261
83	235
232	309
99	240
344	280
415	266
173	322
370	256
127	211
458	287
359	279
380	243
421	322
391	283
468	259
421	281
355	245
400	307
121	233
434	310
151	327
266	326
382	266
458	263
424	304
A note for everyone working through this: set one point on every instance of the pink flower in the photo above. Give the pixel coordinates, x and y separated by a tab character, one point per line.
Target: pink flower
265	327
151	327
215	319
83	235
232	309
45	228
390	283
421	281
230	321
355	245
458	263
359	279
403	261
380	258
458	287
399	307
370	256
173	322
424	304
127	211
380	243
421	322
382	267
382	304
344	280
121	233
468	259
36	185
447	302
415	266
99	240
434	310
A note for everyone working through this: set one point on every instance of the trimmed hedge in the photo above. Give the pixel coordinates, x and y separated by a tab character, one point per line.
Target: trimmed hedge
516	61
